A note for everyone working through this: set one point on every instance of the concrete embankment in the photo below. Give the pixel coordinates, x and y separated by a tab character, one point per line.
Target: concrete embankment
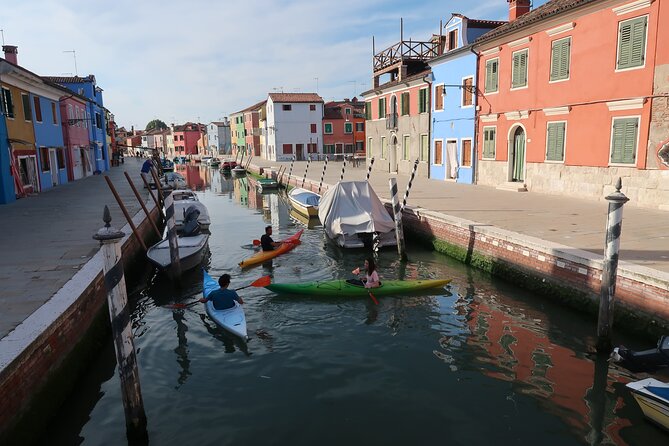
42	357
503	241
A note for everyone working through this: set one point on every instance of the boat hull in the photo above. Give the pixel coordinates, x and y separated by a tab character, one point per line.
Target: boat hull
654	407
308	210
341	288
262	256
191	252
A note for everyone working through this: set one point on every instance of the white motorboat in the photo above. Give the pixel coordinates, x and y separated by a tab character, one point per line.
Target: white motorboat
304	201
173	180
184	199
191	252
653	399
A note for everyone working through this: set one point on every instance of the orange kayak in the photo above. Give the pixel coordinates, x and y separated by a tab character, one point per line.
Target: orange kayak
262	256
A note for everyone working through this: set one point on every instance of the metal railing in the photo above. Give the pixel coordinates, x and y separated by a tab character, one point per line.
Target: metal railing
404	50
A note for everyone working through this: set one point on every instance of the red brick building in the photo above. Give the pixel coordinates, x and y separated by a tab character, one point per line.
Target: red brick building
344	128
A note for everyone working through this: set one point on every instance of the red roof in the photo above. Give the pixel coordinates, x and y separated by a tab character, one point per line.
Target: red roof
295	97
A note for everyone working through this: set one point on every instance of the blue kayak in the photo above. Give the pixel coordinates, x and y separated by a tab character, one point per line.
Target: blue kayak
231	319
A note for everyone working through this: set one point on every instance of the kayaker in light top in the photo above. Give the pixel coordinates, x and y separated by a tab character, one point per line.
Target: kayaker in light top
266	241
223	298
372	278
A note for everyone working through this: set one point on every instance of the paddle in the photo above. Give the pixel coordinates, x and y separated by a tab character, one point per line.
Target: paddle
357	273
259	283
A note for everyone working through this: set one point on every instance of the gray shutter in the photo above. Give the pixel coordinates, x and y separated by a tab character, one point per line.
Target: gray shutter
560	59
550	142
624	140
491	76
519	77
632	43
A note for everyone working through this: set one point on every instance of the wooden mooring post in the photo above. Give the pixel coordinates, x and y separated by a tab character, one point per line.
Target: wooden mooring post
325	167
175	262
141	202
125	212
397	214
614	224
119	314
155	199
306	169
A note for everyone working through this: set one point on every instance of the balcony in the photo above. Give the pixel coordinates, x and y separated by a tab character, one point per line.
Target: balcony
391	121
406	50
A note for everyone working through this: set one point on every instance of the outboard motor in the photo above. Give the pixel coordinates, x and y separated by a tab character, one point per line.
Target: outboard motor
191	226
643	361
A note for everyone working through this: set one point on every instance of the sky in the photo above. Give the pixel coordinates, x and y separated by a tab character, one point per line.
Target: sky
201	60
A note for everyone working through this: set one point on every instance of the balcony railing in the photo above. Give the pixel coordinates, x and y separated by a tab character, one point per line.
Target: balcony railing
404	50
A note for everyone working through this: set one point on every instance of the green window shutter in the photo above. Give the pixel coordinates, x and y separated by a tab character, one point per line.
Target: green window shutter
624	140
489	143
519	76
421	100
491	73
555	141
632	43
368	111
405	103
560	56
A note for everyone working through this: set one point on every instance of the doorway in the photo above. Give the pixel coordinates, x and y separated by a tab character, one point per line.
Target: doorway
451	159
299	150
393	154
517	159
28	172
53	164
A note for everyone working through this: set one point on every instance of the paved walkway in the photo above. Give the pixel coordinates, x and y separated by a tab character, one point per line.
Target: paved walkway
46	238
573	222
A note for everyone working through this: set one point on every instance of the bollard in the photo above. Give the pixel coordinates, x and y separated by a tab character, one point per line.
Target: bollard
325	166
614	222
397	214
141	202
369	169
175	262
343	168
413	174
117	299
306	170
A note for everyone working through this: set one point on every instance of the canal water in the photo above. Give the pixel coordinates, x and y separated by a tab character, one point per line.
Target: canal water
476	363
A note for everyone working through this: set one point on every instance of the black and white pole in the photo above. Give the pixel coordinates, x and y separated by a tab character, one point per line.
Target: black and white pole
290	171
325	167
397	214
343	169
614	223
119	314
306	169
369	169
175	262
413	174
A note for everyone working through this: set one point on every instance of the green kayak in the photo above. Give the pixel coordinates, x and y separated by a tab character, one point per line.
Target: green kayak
343	288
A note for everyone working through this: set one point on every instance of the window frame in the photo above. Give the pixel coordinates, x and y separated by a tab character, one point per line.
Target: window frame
27	107
424	157
313	128
513	69
383	108
464	92
485	85
494	143
369	147
550	67
406	147
383	147
286	107
564	143
441	153
438	95
7	106
325	128
348	125
37	107
471	153
424	102
636	143
645	44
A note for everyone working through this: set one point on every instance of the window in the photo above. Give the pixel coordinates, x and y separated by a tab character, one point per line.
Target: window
632	43
54	114
348	148
44	157
359	146
328	128
382	108
348	127
287	149
453	40
60	153
555	141
624	140
439	97
423	100
405	103
287	107
466	153
7	103
313	128
312	107
348	111
369	147
312	148
519	69
38	109
468	92
98	120
359	126
368	111
438	151
424	148
489	134
329	148
406	145
383	147
560	53
27	112
492	76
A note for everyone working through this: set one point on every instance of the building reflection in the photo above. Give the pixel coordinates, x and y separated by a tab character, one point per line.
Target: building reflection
241	186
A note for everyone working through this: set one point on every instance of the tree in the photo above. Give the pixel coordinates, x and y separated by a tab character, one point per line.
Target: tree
156	124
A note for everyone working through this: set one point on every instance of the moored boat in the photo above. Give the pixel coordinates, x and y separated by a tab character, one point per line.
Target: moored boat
214	163
304	201
287	244
184	199
267	184
231	319
238	171
346	288
644	360
652	396
191	252
174	180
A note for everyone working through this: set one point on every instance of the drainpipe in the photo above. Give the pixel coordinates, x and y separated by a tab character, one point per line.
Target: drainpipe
475	146
428	79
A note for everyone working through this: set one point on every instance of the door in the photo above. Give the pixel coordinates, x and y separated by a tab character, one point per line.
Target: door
451	160
78	168
518	155
393	153
53	164
299	150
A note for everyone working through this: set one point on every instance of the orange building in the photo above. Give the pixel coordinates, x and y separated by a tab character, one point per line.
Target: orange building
573	95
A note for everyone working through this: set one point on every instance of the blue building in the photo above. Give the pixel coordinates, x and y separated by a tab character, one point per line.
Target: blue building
51	157
454	101
7	193
95	119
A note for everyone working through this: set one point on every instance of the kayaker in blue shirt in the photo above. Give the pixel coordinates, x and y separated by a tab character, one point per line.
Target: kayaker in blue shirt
266	241
223	298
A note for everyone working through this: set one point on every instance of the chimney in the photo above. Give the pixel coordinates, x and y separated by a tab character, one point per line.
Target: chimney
518	8
10	53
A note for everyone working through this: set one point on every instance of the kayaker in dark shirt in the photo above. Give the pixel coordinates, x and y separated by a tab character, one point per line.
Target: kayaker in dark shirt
266	241
223	298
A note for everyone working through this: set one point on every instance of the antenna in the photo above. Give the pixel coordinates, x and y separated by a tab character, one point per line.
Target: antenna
2	31
74	54
316	85
355	87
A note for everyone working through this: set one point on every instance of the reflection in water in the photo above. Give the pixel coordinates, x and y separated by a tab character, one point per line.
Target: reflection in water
310	223
229	340
182	348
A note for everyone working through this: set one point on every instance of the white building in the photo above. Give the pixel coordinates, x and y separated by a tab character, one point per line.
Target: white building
294	125
218	135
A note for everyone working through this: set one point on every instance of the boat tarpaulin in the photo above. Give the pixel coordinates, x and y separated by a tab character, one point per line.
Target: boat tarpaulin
352	207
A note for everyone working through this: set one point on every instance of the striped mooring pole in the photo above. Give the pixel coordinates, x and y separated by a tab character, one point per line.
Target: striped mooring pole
369	169
343	169
175	267
290	171
397	213
325	166
306	169
413	174
614	223
119	314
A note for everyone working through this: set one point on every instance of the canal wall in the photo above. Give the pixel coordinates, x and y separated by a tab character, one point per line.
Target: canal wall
556	271
44	356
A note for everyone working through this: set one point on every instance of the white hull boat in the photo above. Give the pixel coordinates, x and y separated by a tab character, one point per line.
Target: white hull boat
183	199
191	252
